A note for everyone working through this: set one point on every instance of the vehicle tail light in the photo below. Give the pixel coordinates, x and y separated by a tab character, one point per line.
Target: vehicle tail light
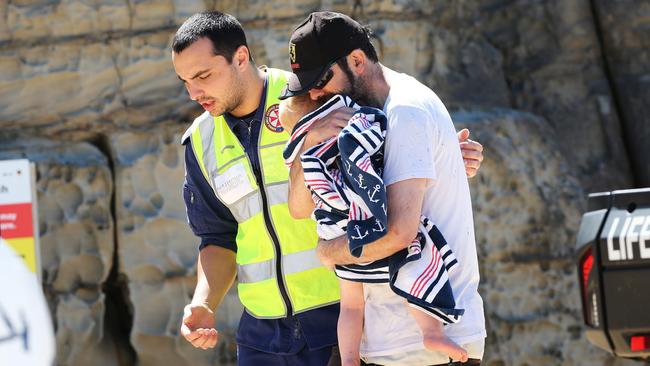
586	264
640	343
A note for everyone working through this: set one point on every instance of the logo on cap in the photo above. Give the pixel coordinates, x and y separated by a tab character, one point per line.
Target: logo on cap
292	52
292	56
272	119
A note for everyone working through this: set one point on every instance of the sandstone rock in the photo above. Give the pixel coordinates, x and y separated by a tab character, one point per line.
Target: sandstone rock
56	81
553	66
282	14
553	340
270	46
527	206
35	21
4	29
157	250
64	88
527	202
625	30
74	187
463	68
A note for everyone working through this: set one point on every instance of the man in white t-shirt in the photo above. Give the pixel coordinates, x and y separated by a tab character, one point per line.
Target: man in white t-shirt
424	174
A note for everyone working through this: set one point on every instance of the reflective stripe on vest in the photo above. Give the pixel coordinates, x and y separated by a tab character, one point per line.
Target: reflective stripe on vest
228	170
291	263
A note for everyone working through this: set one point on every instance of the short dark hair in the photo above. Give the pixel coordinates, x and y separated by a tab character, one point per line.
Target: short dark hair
224	30
368	47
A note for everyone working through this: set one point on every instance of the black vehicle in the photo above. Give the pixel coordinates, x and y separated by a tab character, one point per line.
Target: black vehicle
613	257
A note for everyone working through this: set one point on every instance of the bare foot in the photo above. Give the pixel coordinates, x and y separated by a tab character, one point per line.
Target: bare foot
434	337
440	343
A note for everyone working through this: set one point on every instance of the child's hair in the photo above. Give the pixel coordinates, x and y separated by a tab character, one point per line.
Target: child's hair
294	108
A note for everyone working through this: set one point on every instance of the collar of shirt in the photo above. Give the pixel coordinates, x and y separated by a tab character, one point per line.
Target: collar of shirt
247	130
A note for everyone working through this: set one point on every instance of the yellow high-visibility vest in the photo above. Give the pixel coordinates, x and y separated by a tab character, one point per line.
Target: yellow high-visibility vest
278	271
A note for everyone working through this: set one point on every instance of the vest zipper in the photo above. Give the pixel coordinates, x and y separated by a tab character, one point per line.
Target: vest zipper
250	125
269	227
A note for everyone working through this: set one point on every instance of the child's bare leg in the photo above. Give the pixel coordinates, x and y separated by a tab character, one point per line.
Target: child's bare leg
350	325
434	337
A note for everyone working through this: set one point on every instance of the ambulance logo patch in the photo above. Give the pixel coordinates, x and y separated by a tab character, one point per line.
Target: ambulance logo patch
272	119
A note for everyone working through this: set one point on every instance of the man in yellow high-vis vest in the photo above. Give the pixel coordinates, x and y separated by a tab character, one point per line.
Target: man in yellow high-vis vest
236	192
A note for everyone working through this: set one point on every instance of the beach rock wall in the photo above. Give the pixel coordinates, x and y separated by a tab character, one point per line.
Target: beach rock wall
527	205
74	186
555	90
623	26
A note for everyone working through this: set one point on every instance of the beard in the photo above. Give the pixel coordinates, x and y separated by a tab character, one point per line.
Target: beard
358	94
351	90
230	101
356	88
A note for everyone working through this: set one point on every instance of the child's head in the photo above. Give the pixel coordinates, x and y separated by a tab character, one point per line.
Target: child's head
294	108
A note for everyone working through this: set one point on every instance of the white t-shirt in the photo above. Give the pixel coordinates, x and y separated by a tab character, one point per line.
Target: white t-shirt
421	142
26	336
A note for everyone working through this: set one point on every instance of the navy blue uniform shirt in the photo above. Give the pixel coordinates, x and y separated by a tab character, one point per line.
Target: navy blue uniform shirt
213	223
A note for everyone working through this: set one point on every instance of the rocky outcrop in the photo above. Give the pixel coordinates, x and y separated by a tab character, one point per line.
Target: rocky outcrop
74	187
157	251
554	67
68	66
625	31
527	204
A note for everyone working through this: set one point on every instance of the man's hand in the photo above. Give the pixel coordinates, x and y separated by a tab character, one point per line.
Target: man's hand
472	153
329	126
198	326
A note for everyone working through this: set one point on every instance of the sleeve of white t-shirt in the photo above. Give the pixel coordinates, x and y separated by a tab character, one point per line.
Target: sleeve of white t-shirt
409	145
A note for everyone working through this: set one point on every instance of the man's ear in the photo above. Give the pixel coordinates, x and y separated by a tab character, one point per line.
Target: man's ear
241	57
357	61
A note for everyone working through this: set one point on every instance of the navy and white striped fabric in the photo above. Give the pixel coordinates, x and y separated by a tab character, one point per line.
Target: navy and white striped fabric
420	274
344	176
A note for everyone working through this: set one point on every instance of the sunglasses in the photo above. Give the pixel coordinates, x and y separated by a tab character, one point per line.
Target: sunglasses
328	75
324	80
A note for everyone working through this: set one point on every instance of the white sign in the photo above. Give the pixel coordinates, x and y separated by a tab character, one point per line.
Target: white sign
18	216
15	182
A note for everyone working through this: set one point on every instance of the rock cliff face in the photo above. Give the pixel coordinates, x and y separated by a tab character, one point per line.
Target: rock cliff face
527	187
623	27
74	188
554	90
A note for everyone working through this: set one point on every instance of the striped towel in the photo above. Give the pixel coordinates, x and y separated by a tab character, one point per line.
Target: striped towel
419	274
344	176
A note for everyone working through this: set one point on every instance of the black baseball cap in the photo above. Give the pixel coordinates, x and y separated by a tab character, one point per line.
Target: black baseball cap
316	44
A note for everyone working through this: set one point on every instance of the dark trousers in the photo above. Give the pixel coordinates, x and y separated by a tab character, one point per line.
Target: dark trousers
328	356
